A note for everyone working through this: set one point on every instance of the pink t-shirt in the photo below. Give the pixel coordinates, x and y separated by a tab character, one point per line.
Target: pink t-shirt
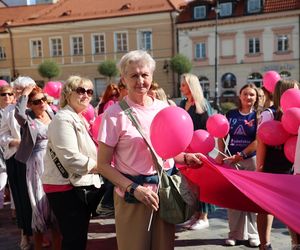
131	155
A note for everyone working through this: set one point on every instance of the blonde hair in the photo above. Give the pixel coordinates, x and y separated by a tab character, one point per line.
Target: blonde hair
71	84
196	91
161	94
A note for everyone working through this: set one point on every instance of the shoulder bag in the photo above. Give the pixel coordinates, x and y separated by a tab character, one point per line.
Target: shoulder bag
177	201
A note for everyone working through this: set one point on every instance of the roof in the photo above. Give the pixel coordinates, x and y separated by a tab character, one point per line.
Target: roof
279	5
78	10
239	7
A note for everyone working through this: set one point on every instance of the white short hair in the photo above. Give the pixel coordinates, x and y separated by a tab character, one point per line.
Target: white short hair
23	81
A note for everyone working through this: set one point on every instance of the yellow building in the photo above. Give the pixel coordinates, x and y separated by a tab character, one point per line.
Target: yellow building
79	35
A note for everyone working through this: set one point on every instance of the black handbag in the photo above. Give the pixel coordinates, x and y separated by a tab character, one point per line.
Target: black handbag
89	195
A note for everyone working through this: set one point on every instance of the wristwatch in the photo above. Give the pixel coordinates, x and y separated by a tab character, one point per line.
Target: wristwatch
133	187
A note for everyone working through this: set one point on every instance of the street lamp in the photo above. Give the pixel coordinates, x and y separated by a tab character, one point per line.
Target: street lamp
217	100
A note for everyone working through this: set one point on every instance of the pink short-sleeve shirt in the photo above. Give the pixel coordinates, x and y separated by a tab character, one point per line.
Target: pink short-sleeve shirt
131	155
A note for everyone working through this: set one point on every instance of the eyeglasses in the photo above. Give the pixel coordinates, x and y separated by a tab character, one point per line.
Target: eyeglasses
4	94
39	101
82	91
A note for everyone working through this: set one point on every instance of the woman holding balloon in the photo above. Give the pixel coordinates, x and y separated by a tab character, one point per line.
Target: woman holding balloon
272	158
199	110
241	154
136	200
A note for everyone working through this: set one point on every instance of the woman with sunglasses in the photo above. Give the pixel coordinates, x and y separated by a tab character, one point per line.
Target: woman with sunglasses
10	138
34	115
70	165
6	98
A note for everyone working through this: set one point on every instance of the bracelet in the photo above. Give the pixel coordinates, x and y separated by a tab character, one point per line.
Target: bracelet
243	154
185	159
133	188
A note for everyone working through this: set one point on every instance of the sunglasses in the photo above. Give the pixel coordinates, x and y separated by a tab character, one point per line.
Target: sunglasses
82	91
39	101
4	94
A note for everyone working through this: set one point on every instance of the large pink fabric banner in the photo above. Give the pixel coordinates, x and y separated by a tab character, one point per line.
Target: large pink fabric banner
277	194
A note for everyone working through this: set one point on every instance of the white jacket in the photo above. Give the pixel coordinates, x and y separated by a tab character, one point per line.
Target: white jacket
9	130
76	151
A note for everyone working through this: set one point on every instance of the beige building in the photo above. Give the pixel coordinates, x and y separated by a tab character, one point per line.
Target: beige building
79	37
253	37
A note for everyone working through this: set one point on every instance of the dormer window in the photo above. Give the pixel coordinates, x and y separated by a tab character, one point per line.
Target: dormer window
253	6
199	12
225	9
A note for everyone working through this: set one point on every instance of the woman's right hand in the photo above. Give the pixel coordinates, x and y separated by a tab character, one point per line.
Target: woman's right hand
27	90
147	196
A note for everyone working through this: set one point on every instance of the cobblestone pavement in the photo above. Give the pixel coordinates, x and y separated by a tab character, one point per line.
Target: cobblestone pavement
102	235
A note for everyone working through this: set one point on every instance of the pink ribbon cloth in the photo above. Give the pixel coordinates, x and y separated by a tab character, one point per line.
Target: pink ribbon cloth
277	194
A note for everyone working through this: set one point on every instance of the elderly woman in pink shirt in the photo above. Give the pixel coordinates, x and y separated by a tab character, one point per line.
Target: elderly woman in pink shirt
120	141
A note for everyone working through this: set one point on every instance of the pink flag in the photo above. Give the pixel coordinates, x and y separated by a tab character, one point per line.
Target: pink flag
277	194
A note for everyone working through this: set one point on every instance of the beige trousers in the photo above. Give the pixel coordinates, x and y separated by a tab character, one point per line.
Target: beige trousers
132	228
242	225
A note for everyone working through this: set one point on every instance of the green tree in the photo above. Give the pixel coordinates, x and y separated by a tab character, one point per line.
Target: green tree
108	68
180	64
49	69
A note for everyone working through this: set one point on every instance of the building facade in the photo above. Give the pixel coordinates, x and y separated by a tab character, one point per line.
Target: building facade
240	43
79	37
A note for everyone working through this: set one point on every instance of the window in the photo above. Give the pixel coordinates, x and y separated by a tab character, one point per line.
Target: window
56	47
254	45
98	44
253	6
145	40
77	46
282	43
199	12
225	9
204	82
200	51
121	44
36	48
228	80
255	78
2	53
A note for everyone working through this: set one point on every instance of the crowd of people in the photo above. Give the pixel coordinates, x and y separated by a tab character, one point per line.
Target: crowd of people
59	175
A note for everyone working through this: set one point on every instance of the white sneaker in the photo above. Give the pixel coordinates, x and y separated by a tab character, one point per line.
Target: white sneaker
254	242
189	222
200	224
230	242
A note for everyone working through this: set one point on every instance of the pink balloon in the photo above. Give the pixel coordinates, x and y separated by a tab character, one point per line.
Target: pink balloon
202	142
3	83
217	125
291	120
290	148
171	131
270	79
53	89
95	127
89	113
290	98
272	133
